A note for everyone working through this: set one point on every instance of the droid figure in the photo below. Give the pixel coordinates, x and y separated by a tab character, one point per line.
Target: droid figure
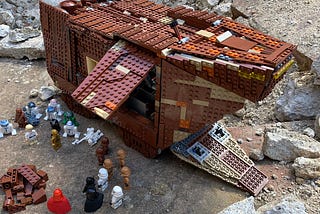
56	106
103	179
117	197
70	130
51	114
6	128
31	136
32	110
69	116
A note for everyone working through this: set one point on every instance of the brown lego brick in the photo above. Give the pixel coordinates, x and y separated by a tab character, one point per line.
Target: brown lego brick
39	196
26	200
28	188
29	174
5	182
42	184
43	175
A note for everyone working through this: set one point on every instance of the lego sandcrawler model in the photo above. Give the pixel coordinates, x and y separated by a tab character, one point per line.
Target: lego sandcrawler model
158	73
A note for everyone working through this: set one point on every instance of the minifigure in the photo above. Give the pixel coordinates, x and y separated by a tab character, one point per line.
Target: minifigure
94	199
103	179
6	128
90	184
55	125
117	197
69	116
58	203
125	173
32	110
55	140
20	118
31	136
51	114
71	130
105	145
108	165
100	155
121	154
56	106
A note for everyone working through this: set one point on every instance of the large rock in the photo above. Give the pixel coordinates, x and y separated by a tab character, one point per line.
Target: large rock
284	145
242	207
298	102
296	17
288	205
307	168
22	34
33	48
6	17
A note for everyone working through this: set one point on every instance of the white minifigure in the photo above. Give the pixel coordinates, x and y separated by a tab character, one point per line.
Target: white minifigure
6	128
53	110
32	110
51	114
56	106
117	197
103	179
71	130
31	136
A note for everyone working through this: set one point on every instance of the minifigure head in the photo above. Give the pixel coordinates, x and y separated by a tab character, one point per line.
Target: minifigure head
31	105
54	132
121	154
90	180
117	191
69	123
107	163
50	109
29	127
4	123
19	111
57	195
53	101
103	173
125	171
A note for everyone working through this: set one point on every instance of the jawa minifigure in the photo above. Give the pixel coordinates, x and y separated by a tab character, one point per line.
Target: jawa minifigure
125	173
58	203
55	140
108	165
121	154
20	118
102	150
117	197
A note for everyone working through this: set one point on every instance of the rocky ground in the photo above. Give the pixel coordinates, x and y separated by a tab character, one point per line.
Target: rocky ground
165	184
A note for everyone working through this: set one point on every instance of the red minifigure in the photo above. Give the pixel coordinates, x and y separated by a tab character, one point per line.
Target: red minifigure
58	204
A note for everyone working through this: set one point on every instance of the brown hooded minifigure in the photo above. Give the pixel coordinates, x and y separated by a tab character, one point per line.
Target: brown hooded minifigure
100	155
108	165
121	154
125	173
20	118
55	140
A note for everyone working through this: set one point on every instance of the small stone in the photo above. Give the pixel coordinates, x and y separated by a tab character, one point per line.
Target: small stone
239	141
299	180
259	132
290	189
249	139
309	21
33	93
309	132
317	182
222	188
270	188
274	176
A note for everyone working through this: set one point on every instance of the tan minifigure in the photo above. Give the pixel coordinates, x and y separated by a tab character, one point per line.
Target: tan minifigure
31	136
121	154
55	140
125	173
108	165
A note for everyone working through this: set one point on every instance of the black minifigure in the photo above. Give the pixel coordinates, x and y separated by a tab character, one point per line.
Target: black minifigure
55	125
